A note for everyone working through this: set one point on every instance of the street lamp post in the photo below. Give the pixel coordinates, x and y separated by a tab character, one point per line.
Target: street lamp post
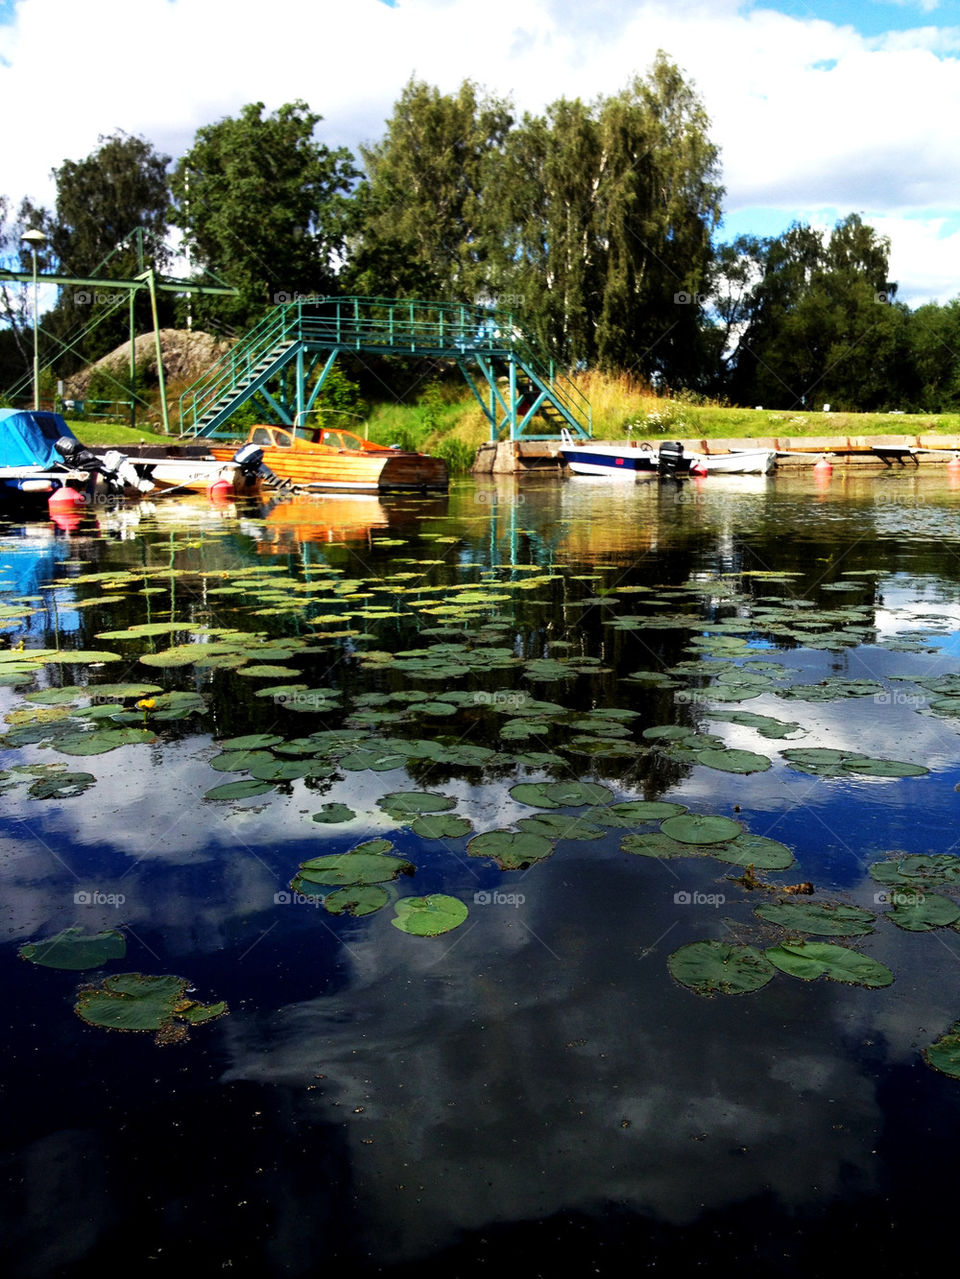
35	239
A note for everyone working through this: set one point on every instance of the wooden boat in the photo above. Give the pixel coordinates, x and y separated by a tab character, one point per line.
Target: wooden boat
737	462
314	457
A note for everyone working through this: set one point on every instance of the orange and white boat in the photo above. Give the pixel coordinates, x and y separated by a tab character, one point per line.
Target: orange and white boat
313	457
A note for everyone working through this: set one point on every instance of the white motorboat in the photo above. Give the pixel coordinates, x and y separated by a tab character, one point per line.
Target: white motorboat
737	462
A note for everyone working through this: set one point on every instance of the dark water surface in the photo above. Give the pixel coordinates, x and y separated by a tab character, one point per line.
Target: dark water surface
532	1089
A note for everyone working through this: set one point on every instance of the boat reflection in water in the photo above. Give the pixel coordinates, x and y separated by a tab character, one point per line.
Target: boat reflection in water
339	517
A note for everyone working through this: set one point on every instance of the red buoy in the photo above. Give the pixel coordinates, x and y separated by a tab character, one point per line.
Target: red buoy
219	490
954	463
823	466
65	498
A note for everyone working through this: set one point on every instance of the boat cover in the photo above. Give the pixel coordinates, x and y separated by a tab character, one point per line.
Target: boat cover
27	438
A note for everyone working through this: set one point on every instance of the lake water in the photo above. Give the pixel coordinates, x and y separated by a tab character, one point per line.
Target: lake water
533	1088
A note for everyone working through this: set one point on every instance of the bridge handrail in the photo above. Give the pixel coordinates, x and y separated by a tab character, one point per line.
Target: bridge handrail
397	324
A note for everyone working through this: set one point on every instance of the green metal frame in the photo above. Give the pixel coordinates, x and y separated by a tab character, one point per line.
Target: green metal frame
487	345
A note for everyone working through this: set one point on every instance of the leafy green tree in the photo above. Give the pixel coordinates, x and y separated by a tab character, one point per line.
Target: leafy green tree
605	216
109	220
264	207
419	226
818	322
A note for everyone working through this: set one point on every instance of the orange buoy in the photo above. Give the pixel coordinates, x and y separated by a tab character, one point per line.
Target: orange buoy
954	463
698	468
65	498
823	465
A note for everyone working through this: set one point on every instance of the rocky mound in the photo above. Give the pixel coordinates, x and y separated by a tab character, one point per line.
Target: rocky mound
186	356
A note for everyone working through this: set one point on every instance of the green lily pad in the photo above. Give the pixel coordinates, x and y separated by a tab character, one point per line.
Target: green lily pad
82	655
698	828
441	826
134	1002
809	960
401	804
917	870
820	918
560	794
333	814
61	786
429	916
251	742
734	761
658	845
511	850
239	790
758	851
882	767
921	912
365	864
356	900
102	740
633	812
239	761
717	968
75	950
944	1054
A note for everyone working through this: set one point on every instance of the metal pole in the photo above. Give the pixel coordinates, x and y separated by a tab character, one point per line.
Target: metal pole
36	348
156	330
133	365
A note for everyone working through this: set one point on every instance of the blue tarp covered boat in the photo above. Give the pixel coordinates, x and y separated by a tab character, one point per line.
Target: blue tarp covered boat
29	461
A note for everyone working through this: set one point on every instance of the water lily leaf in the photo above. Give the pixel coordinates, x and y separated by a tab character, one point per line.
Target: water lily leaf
333	814
632	812
753	850
882	767
356	900
62	696
61	786
264	670
239	761
922	912
83	655
239	790
400	804
734	761
699	828
809	960
250	742
375	761
917	870
820	918
658	845
560	794
102	740
561	826
287	770
75	950
429	916
365	864
441	826
511	850
944	1053
717	968
134	1002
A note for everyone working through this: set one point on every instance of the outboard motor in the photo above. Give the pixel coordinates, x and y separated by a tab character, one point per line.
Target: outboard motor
249	458
115	469
76	456
670	459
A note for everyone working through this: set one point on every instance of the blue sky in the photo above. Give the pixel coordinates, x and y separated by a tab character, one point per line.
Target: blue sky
820	108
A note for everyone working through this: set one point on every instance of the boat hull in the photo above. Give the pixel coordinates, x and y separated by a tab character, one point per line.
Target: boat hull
617	461
746	462
351	471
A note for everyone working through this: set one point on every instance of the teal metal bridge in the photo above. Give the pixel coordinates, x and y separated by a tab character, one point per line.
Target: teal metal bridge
286	358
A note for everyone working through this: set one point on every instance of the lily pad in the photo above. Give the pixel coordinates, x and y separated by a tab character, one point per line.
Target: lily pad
734	761
400	804
61	786
441	826
365	864
809	960
758	851
356	900
922	912
429	916
944	1054
820	918
239	790
658	845
698	828
917	870
511	850
134	1002
717	968
560	794
75	950
102	740
333	814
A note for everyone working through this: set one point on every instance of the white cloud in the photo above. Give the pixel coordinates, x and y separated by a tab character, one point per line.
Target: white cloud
808	113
